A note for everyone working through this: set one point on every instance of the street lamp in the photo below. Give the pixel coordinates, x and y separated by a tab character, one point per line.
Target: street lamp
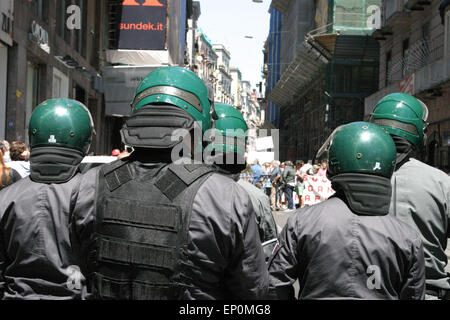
258	1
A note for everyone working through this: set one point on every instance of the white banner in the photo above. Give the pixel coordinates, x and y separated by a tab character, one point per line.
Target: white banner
317	189
264	143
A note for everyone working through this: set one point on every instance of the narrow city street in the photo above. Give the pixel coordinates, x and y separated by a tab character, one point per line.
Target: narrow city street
139	140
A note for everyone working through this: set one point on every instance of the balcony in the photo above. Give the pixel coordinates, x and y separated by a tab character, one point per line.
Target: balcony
416	4
395	13
428	79
420	54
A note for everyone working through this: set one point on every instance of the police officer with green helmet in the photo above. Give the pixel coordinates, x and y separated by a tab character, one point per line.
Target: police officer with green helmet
349	247
160	224
420	193
36	260
227	151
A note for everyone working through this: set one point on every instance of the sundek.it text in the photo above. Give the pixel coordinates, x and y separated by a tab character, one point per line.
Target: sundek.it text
142	26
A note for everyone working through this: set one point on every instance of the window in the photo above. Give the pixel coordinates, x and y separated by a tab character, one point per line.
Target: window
447	34
80	35
40	9
388	68
60	84
32	94
61	29
405	54
79	93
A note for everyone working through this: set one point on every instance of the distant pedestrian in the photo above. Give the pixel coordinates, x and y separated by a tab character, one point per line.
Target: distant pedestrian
7	175
275	176
299	181
5	149
20	155
322	172
288	178
257	173
246	174
266	181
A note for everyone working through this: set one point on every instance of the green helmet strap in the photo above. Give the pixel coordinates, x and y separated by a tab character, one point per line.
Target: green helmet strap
410	128
172	91
54	164
153	126
365	194
404	150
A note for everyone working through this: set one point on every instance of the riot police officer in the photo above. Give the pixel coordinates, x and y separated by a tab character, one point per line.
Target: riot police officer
228	152
421	193
156	225
36	260
348	247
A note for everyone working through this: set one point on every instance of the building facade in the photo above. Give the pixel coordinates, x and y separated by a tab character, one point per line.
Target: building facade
414	42
206	60
6	43
331	66
191	36
223	84
236	86
54	52
272	63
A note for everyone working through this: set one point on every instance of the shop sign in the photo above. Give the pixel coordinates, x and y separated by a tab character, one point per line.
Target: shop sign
40	36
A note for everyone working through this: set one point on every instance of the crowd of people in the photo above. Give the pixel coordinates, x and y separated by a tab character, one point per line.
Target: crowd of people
285	182
373	221
14	163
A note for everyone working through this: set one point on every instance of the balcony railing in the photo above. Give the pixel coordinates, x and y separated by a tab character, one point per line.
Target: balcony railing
420	54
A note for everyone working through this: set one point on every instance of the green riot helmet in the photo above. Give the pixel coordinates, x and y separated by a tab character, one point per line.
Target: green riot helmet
167	99
359	147
402	115
61	123
229	138
230	130
60	132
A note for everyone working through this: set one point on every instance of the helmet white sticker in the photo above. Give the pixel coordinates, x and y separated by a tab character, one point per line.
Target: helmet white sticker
377	166
52	139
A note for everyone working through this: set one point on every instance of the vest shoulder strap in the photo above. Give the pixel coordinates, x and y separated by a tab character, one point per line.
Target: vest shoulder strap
116	174
180	176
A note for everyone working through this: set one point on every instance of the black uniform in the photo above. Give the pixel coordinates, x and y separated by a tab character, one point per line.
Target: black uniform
154	231
36	259
337	254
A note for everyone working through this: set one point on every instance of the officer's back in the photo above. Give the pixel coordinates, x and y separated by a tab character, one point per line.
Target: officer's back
36	260
348	247
346	256
147	227
420	193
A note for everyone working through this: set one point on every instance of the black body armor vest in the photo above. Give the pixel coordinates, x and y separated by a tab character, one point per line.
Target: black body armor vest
142	221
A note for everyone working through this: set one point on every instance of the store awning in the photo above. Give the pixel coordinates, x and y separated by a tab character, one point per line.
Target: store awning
120	83
311	58
328	41
353	47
